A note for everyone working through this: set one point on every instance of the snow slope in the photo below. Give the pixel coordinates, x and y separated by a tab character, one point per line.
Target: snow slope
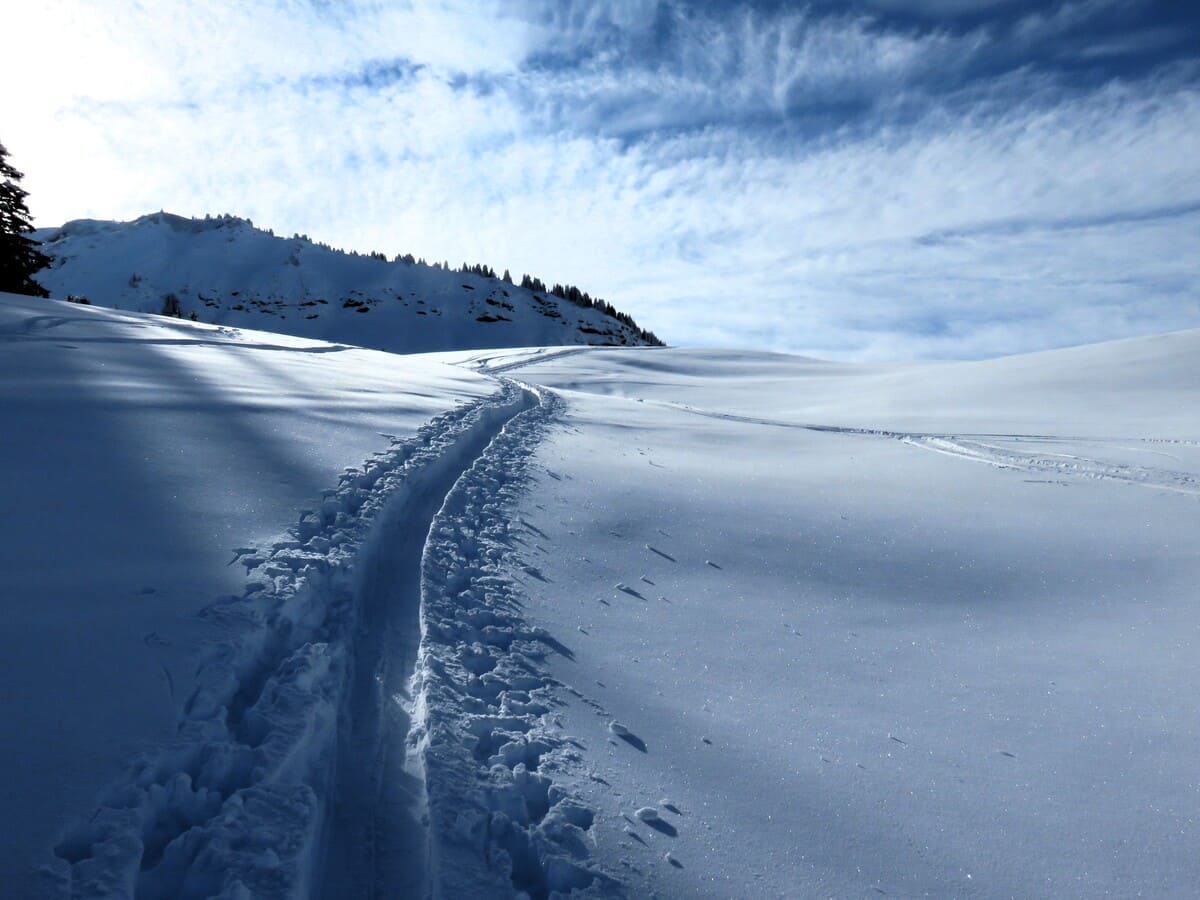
907	631
139	452
228	272
592	621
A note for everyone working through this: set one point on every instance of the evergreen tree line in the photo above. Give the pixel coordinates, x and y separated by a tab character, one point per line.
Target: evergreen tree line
566	292
20	257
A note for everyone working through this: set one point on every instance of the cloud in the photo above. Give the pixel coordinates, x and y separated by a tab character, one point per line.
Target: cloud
812	181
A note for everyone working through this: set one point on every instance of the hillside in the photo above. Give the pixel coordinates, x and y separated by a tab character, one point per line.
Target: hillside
225	271
289	619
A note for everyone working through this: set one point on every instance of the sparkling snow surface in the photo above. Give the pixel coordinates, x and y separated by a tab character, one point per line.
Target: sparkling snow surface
690	623
923	630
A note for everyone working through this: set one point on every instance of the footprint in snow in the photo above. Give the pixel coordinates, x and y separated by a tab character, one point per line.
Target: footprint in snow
626	735
649	816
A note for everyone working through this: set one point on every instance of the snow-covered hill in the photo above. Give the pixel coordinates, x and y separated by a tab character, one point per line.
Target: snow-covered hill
905	631
225	271
286	618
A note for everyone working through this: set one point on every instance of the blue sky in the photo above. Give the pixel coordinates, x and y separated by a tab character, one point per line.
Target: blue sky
890	179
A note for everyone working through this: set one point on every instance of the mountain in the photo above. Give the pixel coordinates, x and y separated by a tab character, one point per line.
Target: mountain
225	271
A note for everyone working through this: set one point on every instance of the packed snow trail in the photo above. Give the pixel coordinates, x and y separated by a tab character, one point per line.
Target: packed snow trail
971	447
381	722
241	801
493	751
376	840
505	362
446	784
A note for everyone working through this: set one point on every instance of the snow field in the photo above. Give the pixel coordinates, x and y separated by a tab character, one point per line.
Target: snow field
644	623
949	658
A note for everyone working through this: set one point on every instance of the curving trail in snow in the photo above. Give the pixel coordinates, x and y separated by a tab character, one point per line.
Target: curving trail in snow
376	843
1023	452
303	754
492	747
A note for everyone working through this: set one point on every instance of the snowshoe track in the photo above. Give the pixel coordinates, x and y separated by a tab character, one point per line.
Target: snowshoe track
291	730
490	746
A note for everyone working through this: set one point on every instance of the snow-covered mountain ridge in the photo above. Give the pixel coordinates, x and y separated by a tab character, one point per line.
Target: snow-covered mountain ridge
225	271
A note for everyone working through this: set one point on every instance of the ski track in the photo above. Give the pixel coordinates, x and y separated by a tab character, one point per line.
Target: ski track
380	722
974	448
484	366
490	743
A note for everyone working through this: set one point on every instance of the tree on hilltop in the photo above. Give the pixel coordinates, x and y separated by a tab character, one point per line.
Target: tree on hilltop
19	254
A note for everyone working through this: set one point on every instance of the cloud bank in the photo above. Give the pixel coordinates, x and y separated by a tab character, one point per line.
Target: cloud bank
906	179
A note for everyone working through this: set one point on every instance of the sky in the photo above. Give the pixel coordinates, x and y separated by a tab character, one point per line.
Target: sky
881	180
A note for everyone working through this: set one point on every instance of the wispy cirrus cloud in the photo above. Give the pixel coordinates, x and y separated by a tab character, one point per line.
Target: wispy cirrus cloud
905	179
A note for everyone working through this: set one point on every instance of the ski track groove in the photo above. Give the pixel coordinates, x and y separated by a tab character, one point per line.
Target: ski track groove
500	821
973	448
483	366
310	759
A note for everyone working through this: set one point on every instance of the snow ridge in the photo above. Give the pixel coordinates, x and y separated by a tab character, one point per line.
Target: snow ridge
489	742
238	805
225	271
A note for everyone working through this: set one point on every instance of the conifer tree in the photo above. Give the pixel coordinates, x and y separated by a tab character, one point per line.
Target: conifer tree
19	255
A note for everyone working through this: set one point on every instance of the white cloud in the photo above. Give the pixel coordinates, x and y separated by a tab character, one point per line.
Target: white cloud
944	234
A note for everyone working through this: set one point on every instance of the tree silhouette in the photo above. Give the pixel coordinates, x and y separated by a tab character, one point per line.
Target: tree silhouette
19	255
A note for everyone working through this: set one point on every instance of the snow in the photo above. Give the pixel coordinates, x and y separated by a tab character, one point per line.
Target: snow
864	666
291	618
226	271
139	453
